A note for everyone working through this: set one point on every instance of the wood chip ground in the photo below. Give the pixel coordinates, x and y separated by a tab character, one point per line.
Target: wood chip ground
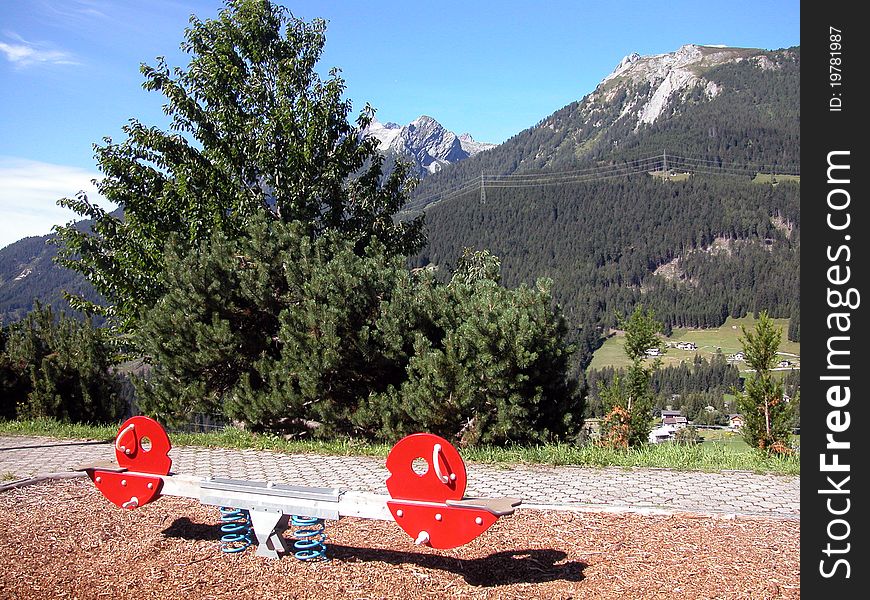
62	539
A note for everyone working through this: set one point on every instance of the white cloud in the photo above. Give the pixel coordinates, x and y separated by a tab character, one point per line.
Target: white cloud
74	12
29	191
22	53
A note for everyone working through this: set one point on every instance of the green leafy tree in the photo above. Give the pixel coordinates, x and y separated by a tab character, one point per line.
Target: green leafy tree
64	370
254	130
628	400
477	265
282	296
767	417
688	436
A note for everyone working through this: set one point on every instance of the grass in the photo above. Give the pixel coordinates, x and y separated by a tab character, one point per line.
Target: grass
669	176
230	437
718	453
53	428
774	178
709	341
701	457
720	437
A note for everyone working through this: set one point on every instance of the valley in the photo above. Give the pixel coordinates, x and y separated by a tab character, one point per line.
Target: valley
579	200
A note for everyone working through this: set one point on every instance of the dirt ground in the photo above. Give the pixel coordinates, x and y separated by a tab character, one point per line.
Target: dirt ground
62	539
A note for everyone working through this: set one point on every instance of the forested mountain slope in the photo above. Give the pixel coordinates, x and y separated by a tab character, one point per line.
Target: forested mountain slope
28	274
602	243
646	191
573	198
717	107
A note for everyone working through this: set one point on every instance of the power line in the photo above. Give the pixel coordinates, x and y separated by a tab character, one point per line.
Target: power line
660	162
581	171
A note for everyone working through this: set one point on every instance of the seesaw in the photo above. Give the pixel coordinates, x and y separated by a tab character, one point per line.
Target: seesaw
428	503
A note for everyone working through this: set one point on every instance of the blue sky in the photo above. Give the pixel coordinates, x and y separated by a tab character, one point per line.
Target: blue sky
69	69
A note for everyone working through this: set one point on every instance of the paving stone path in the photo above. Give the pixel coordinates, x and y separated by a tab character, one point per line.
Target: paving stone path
736	493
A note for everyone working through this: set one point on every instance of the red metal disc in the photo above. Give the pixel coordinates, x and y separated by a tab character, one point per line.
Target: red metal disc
126	490
142	445
444	477
444	526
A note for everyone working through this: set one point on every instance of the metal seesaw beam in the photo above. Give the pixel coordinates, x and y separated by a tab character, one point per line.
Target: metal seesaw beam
326	503
270	503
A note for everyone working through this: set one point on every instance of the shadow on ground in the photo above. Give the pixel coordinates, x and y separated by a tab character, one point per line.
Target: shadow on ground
186	529
58	444
500	568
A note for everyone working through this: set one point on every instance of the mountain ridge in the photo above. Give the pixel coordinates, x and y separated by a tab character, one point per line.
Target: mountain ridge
668	154
425	142
748	116
646	98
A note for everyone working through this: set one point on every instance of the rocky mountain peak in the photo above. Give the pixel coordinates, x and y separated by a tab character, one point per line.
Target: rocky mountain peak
427	143
665	75
426	122
626	61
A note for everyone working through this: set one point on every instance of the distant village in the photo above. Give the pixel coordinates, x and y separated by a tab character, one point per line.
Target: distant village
671	421
736	357
674	420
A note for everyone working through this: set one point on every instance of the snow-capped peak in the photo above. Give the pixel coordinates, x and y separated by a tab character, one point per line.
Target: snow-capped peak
385	133
426	142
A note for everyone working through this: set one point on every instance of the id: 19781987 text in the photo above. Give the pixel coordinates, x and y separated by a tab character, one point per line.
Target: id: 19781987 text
835	69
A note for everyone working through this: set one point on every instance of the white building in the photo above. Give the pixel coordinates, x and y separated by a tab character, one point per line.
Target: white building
662	433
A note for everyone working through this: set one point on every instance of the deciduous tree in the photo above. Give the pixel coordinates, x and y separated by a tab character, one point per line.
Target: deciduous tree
253	130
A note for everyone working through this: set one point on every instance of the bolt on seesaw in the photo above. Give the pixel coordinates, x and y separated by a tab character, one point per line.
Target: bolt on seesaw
431	506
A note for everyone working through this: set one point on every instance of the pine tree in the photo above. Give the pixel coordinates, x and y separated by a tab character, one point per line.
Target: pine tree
14	384
271	328
767	416
66	368
628	401
485	364
306	337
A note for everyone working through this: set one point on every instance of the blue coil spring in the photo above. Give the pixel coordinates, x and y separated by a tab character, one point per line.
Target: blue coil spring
310	534
236	529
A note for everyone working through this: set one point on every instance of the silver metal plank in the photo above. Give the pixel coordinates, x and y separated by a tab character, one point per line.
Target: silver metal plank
270	488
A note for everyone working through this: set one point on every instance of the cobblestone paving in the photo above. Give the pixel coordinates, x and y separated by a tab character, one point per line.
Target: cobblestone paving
579	488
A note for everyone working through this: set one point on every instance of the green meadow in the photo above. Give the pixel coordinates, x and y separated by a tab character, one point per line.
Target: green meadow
708	341
774	178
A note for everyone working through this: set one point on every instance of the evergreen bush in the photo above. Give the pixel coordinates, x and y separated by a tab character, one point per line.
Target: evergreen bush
58	367
485	364
306	337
